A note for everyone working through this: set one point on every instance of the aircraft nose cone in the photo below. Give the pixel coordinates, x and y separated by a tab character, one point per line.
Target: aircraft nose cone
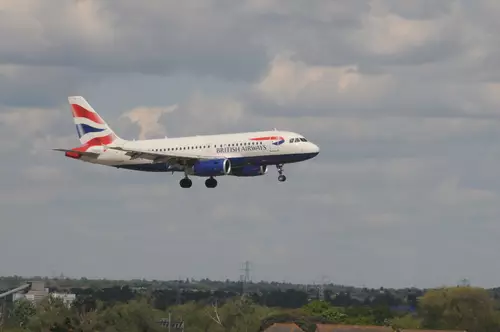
314	149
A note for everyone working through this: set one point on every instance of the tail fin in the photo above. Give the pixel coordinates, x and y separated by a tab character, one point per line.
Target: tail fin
91	128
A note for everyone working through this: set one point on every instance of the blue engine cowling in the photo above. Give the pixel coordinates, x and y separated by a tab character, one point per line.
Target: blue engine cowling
249	170
213	167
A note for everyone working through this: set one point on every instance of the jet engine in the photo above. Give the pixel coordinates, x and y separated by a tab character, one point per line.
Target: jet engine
213	167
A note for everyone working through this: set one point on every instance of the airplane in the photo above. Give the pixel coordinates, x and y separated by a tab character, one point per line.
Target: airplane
239	154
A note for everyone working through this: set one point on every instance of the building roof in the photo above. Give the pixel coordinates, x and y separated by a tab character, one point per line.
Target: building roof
368	328
284	327
351	328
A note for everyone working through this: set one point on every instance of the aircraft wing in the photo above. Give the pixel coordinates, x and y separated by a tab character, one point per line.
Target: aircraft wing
81	153
162	157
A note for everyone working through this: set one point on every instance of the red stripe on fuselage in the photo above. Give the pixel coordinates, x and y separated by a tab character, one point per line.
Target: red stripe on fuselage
80	112
108	139
267	138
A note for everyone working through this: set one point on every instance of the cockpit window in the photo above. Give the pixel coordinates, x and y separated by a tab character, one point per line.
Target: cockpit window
297	139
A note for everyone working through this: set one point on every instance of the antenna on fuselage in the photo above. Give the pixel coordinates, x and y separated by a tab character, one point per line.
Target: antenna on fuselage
275	129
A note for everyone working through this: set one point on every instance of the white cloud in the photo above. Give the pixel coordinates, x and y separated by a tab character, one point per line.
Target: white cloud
147	119
392	34
290	82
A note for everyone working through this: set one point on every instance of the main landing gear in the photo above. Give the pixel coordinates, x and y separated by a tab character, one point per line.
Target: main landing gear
281	177
186	182
211	182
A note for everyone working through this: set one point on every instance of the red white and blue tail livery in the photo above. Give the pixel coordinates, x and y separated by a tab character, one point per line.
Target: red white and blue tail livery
239	154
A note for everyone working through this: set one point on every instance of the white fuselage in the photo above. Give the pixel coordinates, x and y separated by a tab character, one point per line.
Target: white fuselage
257	148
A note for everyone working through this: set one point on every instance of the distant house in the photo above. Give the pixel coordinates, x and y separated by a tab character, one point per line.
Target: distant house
283	327
38	292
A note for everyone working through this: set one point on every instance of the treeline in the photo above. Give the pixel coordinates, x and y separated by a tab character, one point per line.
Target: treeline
290	298
192	284
457	308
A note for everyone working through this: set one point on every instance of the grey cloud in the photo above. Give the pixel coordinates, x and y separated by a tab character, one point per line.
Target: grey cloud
129	37
407	177
40	87
420	9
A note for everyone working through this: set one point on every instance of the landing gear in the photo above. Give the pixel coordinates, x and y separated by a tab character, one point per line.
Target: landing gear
211	182
186	182
281	177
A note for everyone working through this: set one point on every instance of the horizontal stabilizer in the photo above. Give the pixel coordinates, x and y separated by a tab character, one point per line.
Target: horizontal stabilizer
77	154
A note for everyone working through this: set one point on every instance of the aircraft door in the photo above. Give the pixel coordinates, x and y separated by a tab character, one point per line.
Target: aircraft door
275	144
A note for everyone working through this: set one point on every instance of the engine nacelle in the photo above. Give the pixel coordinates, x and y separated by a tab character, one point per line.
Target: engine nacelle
213	167
249	170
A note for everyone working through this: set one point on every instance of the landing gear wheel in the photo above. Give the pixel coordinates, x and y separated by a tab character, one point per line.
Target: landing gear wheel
211	182
281	177
186	183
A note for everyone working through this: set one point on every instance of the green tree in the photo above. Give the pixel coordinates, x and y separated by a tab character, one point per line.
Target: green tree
237	314
22	311
406	322
194	315
462	308
134	316
52	315
325	310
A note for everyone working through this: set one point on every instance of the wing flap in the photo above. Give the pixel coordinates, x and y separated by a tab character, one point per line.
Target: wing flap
159	157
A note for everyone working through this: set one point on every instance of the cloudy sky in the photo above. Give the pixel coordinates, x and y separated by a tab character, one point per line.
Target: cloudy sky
403	97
